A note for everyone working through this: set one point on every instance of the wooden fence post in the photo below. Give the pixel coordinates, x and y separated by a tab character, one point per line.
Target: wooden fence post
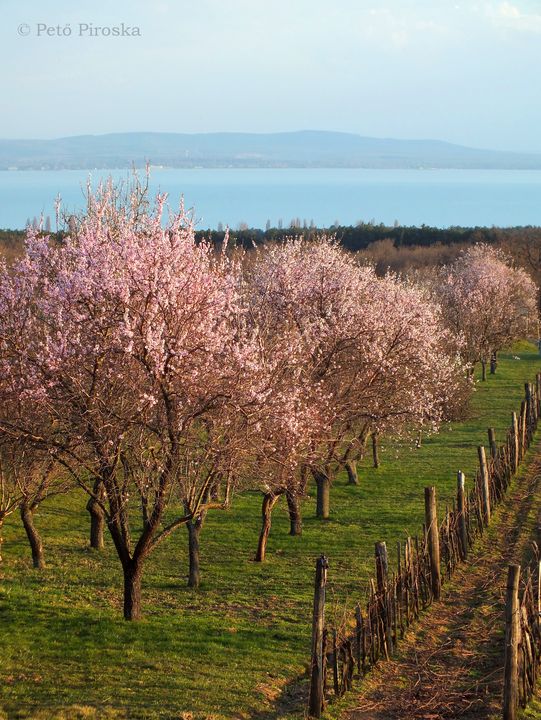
538	589
538	531
433	535
461	509
382	566
533	403
528	398
382	578
515	441
400	587
318	625
492	443
335	681
485	486
512	630
522	429
359	631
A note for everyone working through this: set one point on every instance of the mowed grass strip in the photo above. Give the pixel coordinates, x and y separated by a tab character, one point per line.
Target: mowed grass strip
229	649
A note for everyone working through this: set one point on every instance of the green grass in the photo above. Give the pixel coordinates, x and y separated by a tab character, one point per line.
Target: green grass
532	711
227	650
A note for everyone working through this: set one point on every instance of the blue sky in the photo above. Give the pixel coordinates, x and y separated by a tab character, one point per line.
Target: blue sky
466	72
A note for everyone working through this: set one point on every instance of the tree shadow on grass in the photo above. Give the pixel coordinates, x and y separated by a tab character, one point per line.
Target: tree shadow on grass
290	702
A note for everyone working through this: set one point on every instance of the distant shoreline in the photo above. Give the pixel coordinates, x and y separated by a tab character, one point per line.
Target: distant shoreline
268	167
307	149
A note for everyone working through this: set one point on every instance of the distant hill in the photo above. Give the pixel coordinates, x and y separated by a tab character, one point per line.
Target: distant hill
307	149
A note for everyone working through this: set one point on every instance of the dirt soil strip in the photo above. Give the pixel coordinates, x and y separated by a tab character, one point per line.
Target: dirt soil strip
451	664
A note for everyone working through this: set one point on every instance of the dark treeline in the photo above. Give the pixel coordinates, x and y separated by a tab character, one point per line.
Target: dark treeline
355	237
360	236
390	247
400	248
11	237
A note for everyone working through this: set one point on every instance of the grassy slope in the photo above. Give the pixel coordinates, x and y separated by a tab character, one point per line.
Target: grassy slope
225	651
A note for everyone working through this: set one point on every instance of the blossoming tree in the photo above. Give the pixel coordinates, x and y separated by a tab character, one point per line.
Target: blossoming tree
288	409
486	302
375	350
130	341
28	478
29	474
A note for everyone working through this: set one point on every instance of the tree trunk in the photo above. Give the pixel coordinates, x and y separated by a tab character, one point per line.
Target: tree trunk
493	363
97	517
269	501
303	484
133	571
1	536
216	490
36	544
375	454
295	518
483	370
323	485
351	469
194	531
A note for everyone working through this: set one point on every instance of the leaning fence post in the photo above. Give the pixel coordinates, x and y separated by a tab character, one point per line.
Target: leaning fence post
382	565
528	398
538	531
522	429
336	683
382	578
318	624
359	630
516	451
538	589
512	629
485	487
492	443
461	509
433	534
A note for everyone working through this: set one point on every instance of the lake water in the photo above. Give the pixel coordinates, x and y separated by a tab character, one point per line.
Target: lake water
439	198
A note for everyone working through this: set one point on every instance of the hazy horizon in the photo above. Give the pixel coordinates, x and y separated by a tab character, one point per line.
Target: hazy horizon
146	131
459	72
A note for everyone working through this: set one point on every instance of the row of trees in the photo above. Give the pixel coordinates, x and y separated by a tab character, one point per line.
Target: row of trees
162	376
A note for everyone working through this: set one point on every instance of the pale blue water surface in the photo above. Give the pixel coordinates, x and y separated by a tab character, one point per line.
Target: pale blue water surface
440	198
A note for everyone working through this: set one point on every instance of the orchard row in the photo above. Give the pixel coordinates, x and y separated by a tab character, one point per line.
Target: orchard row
163	376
